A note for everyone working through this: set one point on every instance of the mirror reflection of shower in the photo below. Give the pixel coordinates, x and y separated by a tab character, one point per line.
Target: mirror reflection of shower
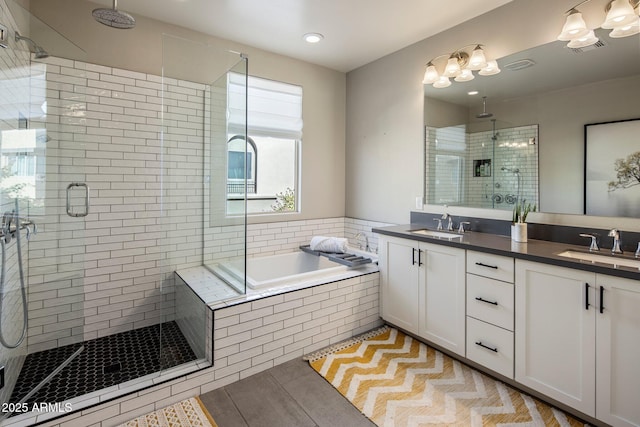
516	172
485	164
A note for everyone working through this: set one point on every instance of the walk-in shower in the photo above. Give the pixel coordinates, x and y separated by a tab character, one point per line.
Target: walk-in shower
109	163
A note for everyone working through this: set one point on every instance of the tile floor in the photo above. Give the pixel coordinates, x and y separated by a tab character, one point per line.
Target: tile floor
288	395
105	361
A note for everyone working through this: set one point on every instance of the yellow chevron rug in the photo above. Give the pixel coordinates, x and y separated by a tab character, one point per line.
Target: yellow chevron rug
188	413
397	381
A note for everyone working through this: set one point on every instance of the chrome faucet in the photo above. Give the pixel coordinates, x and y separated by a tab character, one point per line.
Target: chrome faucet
594	242
638	251
616	241
450	223
461	229
439	227
366	240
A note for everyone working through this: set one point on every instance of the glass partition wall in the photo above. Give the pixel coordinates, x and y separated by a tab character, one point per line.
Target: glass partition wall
103	195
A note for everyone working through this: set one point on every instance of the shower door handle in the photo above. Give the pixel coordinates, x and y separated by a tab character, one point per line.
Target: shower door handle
86	199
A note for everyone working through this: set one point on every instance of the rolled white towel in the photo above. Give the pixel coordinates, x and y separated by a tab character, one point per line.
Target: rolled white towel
328	244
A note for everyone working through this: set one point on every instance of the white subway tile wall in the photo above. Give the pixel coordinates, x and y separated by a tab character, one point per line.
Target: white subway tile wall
14	101
111	271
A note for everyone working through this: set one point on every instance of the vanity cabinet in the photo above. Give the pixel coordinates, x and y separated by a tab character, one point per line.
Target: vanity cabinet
618	351
555	330
576	329
398	260
423	290
490	317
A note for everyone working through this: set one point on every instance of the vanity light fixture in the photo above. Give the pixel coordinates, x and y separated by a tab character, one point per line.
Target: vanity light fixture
620	17
460	65
313	37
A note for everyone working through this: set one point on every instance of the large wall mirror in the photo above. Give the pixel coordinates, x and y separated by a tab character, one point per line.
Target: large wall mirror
528	139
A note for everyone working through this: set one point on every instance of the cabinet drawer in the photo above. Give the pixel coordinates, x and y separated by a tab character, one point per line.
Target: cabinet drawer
489	265
490	300
490	346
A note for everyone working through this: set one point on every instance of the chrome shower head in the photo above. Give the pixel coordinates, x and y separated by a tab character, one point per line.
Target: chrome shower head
114	18
484	114
38	51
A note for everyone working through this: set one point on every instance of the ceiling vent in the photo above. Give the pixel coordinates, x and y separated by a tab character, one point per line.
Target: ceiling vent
519	65
594	46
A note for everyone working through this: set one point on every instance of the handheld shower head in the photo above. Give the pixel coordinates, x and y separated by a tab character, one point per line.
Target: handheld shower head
38	51
114	18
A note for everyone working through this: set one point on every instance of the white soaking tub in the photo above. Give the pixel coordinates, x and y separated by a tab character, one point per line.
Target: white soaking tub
286	269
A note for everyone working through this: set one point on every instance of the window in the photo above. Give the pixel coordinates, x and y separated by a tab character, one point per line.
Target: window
272	161
236	165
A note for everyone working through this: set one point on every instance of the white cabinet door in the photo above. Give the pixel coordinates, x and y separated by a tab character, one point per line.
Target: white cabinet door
399	267
555	333
618	352
442	296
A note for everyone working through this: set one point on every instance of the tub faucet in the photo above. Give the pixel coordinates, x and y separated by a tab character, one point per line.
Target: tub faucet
366	240
616	241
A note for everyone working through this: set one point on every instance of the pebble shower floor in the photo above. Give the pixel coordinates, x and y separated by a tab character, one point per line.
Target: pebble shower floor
105	362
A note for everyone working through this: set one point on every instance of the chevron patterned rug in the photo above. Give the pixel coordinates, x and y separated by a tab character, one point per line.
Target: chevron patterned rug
397	381
188	413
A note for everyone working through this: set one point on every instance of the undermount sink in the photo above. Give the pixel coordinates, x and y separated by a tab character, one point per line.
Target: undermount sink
438	234
603	259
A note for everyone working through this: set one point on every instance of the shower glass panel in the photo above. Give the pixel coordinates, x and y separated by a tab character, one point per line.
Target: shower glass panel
194	147
44	200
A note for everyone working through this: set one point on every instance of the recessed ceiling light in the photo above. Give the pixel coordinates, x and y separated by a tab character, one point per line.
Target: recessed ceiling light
473	92
313	37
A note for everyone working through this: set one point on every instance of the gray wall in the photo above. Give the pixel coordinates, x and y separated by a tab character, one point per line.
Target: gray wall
385	110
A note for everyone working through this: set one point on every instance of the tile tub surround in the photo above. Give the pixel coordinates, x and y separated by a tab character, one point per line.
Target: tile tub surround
251	337
285	236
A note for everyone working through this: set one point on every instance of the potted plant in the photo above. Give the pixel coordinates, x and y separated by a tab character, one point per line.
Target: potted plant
519	227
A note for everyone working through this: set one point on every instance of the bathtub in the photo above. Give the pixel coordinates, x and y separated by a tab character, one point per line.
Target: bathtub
285	269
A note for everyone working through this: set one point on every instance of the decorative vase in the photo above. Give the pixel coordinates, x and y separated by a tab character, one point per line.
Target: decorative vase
519	232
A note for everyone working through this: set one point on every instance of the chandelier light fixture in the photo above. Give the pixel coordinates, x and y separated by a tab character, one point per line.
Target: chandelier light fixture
621	18
460	66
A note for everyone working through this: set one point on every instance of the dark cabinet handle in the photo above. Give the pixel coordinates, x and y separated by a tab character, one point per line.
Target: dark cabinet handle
495	267
601	299
413	257
586	296
494	349
488	302
419	257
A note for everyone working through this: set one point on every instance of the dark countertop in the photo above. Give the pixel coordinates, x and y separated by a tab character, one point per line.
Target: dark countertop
534	250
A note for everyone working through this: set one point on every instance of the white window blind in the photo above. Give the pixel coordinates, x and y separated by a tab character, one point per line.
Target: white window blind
274	108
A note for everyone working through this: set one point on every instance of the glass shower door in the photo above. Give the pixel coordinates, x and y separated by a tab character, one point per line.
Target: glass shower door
195	117
44	200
